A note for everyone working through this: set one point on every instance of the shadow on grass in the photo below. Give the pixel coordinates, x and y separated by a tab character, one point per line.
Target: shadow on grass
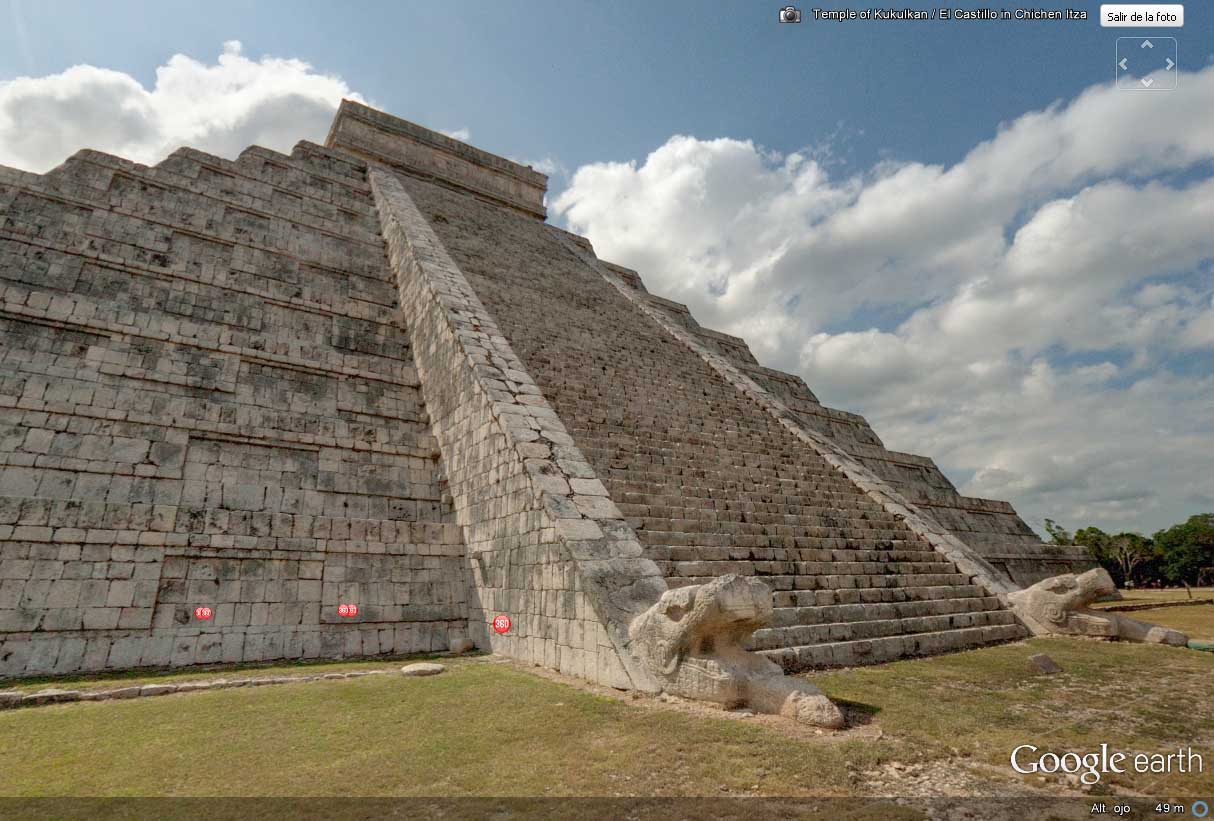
857	713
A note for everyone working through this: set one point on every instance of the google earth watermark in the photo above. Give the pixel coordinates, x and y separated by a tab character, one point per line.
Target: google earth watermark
1029	759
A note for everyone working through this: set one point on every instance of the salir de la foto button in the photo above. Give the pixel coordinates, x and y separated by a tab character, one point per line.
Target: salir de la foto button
1139	15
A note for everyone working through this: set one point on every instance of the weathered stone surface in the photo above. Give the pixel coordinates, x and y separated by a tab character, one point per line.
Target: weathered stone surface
1059	606
414	149
569	611
208	400
692	642
50	696
157	689
192	686
125	692
461	646
422	669
1041	663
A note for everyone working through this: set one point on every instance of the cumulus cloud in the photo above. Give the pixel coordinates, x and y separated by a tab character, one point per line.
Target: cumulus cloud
1038	317
221	107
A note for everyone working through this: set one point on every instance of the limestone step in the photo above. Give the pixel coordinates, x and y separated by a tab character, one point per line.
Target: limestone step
890	648
720	507
721	455
808	569
806	526
666	479
820	537
660	450
776	554
872	595
878	611
772	638
780	582
703	483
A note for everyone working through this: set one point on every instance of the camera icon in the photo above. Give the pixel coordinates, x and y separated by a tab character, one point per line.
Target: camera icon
790	14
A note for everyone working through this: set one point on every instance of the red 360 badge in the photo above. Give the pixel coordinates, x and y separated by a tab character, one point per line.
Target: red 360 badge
348	610
501	623
203	613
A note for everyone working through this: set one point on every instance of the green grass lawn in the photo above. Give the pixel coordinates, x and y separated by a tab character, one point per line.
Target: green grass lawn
1152	596
487	728
1196	620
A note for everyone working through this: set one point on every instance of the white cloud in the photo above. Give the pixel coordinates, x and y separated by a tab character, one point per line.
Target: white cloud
549	166
461	134
1031	316
220	108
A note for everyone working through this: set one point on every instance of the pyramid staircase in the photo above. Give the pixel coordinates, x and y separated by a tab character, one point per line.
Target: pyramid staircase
710	481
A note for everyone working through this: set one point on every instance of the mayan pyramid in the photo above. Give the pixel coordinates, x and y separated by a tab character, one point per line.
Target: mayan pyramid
370	373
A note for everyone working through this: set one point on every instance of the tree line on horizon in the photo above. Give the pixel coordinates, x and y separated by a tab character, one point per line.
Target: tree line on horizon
1182	554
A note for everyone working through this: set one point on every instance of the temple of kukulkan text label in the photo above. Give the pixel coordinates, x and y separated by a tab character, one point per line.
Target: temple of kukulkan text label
370	373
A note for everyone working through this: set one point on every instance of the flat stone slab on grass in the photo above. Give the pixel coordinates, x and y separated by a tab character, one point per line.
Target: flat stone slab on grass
49	696
422	669
190	686
125	692
1041	663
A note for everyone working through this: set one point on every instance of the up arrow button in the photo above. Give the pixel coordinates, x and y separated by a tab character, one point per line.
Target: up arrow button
1135	69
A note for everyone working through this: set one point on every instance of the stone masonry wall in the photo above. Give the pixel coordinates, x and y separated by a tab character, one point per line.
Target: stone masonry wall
547	547
208	398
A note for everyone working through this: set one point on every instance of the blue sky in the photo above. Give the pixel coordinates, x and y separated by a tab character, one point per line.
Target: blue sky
961	230
591	81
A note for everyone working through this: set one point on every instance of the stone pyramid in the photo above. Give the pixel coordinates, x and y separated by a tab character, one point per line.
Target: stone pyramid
237	395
